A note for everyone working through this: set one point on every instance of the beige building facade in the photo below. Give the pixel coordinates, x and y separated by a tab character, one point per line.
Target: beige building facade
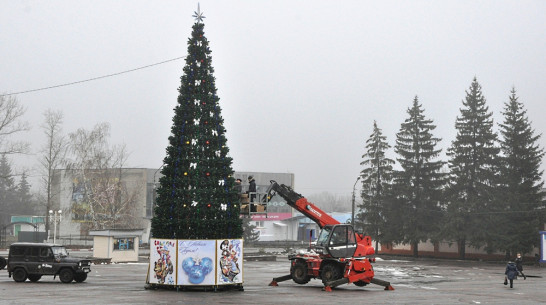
132	206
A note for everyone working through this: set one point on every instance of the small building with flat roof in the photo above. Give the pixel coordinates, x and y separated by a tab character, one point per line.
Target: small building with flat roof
118	245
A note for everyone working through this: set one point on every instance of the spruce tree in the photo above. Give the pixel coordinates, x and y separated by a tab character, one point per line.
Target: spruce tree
250	234
419	184
24	204
521	181
8	191
196	198
473	166
376	176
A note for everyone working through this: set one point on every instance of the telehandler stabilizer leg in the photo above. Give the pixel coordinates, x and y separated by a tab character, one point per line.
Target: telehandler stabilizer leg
283	278
385	284
334	284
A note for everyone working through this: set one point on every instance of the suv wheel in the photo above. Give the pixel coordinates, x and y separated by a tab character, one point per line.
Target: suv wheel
66	275
19	275
34	277
80	277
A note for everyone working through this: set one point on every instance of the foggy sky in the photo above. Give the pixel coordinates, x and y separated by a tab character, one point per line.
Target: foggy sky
300	82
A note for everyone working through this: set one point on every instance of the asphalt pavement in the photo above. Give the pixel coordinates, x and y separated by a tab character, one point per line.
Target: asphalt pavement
420	281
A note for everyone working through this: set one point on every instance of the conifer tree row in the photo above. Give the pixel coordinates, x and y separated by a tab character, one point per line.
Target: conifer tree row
490	198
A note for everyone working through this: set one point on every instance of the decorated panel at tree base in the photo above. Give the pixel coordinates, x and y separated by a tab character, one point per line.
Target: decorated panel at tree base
230	261
163	262
196	262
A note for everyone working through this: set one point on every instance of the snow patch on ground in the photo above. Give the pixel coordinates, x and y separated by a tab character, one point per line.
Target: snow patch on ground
393	260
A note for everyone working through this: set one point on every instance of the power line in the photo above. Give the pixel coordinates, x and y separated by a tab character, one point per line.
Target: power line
91	79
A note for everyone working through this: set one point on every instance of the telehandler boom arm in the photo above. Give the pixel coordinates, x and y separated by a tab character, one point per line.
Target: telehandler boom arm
301	204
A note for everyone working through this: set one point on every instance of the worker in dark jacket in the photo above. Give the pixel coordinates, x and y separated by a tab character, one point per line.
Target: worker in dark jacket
511	274
238	186
251	188
519	265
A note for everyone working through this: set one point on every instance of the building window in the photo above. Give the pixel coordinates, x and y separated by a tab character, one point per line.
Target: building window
123	244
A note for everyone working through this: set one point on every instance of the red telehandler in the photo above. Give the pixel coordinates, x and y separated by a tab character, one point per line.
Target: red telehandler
340	254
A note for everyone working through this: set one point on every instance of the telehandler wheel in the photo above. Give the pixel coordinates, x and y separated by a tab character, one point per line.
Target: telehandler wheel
331	272
299	272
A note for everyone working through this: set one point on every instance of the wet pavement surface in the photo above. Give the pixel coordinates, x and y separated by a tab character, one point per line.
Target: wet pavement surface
420	281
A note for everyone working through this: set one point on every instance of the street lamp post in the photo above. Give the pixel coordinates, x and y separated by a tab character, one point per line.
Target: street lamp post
155	190
57	216
353	212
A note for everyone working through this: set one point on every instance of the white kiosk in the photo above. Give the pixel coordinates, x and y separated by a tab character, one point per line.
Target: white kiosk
116	245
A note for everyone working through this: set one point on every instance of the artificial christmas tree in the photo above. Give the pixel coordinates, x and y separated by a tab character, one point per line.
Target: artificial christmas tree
196	198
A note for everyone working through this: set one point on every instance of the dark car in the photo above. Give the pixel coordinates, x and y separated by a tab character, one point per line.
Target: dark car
32	260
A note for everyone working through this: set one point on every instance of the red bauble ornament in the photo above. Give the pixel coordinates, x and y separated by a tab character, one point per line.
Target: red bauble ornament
207	142
208	174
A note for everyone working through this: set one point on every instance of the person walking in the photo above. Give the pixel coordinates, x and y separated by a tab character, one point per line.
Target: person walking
519	266
511	273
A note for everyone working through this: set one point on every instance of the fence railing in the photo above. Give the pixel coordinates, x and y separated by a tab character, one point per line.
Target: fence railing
254	203
74	240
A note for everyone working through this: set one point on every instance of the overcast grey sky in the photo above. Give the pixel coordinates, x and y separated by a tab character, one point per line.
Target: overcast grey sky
300	82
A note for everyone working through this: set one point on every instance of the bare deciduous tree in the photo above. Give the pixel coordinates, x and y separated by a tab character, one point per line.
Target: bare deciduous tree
52	154
102	199
11	123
